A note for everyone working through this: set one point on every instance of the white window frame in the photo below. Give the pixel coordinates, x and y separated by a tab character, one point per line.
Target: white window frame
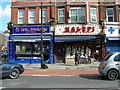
22	17
92	15
42	16
77	15
110	15
31	16
61	15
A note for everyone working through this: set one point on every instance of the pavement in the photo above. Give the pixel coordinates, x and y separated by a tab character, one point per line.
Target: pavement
61	69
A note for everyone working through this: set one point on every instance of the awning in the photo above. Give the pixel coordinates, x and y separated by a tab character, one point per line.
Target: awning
29	38
114	38
73	38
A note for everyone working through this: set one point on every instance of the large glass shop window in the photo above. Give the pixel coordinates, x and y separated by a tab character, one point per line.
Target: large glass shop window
23	50
70	52
30	50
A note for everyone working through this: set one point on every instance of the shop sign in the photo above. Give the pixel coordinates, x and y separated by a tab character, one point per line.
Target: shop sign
77	30
112	31
31	29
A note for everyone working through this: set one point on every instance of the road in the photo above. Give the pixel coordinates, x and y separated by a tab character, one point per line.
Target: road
78	81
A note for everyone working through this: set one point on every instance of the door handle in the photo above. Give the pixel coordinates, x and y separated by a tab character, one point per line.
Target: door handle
116	64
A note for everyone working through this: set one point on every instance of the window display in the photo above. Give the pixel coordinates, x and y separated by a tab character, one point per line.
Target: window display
29	50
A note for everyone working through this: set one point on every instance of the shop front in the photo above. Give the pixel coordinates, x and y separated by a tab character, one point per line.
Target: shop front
113	38
69	38
25	45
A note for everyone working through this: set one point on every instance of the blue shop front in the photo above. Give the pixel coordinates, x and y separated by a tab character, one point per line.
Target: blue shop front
113	38
25	45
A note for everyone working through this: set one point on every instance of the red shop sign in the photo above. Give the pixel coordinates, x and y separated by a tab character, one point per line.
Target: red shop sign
79	30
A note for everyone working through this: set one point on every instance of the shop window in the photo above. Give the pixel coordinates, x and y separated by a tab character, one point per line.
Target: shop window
27	50
31	14
110	15
70	52
77	15
31	50
93	15
61	16
44	16
21	14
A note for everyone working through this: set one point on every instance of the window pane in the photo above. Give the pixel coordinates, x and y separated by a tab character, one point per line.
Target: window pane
93	18
32	12
44	12
93	11
61	12
110	11
61	15
73	19
110	19
61	19
81	11
36	48
44	19
73	11
21	20
21	12
81	19
81	15
23	48
32	20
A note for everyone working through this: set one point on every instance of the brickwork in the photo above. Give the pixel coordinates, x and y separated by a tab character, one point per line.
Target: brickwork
101	10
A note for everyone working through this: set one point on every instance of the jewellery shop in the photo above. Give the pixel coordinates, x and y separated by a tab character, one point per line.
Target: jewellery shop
25	44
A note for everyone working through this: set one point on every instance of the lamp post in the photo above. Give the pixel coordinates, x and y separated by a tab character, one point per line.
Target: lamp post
42	48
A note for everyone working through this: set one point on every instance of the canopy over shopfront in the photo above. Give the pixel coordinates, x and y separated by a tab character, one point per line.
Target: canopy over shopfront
73	38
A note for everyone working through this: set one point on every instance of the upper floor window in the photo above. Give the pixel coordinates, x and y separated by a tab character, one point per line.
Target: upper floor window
21	14
93	15
110	15
44	16
77	15
61	16
31	16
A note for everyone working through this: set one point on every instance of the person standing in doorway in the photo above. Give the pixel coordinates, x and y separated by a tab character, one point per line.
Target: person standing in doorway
89	56
76	58
108	51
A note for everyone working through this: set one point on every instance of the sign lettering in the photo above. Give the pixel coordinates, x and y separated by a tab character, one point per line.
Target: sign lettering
29	29
79	30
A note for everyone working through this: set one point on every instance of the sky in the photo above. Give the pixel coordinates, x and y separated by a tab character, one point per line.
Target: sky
5	14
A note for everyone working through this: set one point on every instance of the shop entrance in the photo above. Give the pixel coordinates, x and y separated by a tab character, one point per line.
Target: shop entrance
59	53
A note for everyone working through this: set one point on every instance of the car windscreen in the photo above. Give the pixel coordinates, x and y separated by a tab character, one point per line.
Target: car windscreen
107	56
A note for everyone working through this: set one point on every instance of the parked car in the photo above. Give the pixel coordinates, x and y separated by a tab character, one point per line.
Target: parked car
110	66
11	70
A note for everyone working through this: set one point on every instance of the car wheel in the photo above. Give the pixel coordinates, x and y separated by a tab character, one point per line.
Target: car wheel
112	74
14	73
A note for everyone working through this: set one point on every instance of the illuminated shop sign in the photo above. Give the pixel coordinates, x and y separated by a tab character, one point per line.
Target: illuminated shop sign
31	29
77	30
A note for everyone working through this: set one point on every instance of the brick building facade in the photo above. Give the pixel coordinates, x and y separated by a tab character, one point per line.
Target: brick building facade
78	25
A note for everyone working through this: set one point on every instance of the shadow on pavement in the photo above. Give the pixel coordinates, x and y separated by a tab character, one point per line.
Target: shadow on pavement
94	77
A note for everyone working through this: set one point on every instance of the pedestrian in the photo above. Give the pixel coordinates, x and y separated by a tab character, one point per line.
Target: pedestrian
76	58
108	51
89	56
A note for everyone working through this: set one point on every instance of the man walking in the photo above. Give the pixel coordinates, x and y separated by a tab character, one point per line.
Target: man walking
89	56
76	58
